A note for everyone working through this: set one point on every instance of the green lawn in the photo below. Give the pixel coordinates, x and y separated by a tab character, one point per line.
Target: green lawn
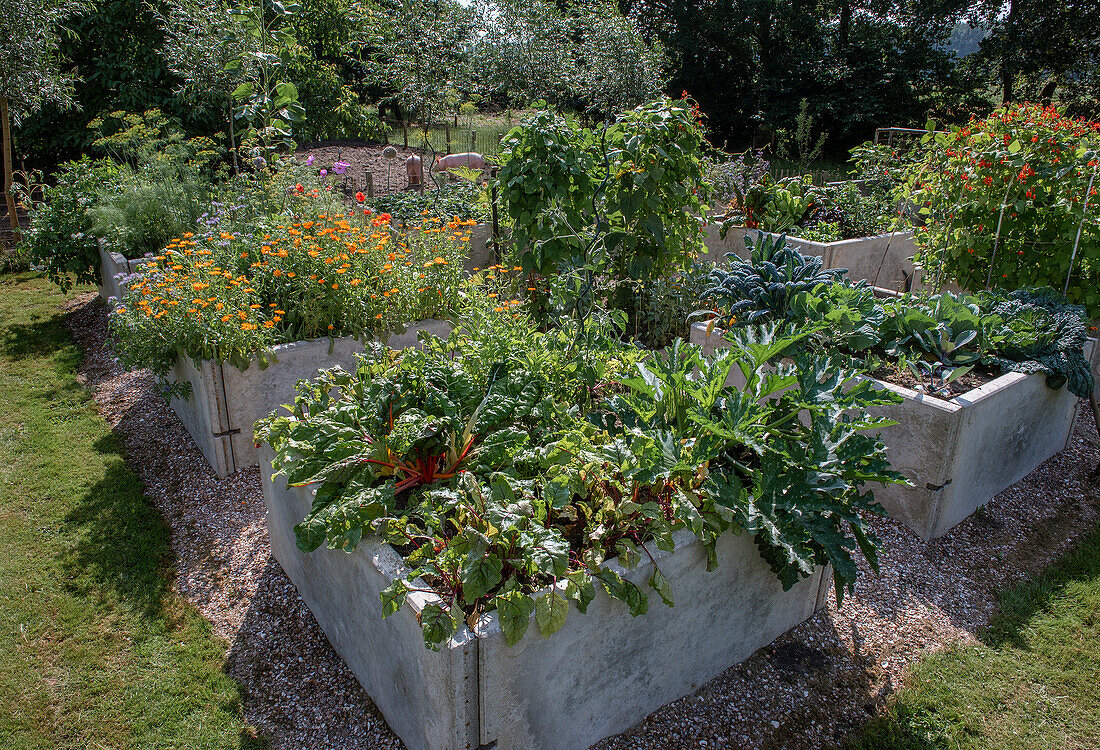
1033	684
96	651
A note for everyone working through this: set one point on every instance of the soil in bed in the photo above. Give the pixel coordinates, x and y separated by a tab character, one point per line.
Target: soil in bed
894	372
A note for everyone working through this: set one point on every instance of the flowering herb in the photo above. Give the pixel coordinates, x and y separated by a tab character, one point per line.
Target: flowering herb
228	296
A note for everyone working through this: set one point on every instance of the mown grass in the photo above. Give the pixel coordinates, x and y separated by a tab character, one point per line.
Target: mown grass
96	651
1032	684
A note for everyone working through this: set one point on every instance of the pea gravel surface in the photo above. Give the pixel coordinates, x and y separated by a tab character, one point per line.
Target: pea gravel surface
809	689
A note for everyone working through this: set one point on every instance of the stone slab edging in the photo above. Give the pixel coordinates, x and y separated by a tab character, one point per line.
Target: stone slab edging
225	402
603	672
959	453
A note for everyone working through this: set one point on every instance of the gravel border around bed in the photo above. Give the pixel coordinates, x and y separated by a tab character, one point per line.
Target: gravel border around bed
809	689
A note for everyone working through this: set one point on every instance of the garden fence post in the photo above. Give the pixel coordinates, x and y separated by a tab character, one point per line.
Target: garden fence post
493	207
368	183
447	136
405	128
473	140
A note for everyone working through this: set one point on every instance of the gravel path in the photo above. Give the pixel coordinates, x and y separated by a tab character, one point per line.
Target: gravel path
809	689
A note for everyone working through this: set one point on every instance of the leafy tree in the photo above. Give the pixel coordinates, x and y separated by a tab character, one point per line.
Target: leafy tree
209	52
861	63
524	52
30	70
420	51
587	57
116	46
1036	48
617	67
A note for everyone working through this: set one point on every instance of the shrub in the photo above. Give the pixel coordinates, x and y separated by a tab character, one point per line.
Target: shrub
61	239
633	192
162	187
1004	199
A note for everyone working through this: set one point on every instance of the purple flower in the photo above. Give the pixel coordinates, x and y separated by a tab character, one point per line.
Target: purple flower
324	173
340	167
309	160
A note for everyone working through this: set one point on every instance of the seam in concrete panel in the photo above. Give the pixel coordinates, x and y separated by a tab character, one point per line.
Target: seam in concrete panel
940	499
484	742
822	588
222	400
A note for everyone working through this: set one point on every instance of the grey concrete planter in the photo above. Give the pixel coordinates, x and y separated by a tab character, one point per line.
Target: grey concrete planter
600	674
885	260
113	270
961	452
225	402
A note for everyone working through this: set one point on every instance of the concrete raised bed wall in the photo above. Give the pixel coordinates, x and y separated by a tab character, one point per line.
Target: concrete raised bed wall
225	402
960	453
600	674
884	261
113	268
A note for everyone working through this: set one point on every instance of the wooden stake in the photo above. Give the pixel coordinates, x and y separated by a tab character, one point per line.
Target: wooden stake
5	146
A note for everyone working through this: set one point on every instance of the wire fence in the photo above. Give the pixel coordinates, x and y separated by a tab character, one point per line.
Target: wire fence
819	177
449	139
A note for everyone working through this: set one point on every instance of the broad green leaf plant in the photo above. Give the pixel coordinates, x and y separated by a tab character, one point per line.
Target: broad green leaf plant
940	338
507	472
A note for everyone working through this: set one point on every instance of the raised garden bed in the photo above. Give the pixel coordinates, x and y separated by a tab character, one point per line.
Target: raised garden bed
225	402
961	452
862	256
601	673
113	268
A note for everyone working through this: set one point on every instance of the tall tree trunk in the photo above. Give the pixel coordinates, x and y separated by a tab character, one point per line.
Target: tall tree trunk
232	141
844	24
1008	52
5	146
1047	94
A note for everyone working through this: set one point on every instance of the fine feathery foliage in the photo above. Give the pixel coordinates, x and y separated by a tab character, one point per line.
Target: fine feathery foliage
507	481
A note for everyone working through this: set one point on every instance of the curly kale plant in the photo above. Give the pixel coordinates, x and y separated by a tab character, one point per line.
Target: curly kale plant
763	287
1042	332
505	492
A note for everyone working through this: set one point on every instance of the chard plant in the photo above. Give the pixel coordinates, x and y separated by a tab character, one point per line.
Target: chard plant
507	483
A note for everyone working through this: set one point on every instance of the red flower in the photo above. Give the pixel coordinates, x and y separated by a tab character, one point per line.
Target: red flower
299	187
360	197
